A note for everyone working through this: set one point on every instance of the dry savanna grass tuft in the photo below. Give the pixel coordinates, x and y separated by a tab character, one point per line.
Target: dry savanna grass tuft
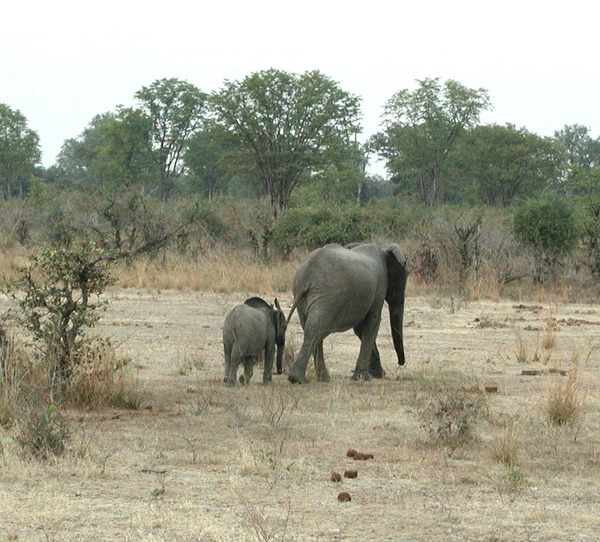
566	399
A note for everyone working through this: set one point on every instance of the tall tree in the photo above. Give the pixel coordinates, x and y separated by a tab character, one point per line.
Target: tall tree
114	151
286	127
503	163
206	159
583	157
176	110
19	152
421	128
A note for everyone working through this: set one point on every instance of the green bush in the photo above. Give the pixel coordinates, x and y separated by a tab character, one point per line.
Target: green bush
314	227
551	229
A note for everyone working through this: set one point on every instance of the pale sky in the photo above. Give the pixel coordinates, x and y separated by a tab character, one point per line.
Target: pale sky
63	62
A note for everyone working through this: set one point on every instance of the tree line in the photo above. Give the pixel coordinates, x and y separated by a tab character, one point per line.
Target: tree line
283	136
294	141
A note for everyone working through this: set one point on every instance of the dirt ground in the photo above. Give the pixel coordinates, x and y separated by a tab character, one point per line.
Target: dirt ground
203	462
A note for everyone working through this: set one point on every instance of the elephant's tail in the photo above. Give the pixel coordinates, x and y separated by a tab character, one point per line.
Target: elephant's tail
297	299
289	317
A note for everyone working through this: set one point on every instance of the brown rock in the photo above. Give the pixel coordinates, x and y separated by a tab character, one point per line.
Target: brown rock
351	452
336	477
344	497
350	474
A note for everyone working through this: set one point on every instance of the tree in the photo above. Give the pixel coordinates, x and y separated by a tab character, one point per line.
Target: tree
175	109
113	152
583	156
19	152
421	129
503	162
206	160
550	228
286	127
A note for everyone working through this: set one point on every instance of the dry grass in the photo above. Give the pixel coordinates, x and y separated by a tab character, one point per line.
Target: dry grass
506	434
198	461
213	272
565	402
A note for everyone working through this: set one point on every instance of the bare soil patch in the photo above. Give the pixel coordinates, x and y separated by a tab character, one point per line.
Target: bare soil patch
203	462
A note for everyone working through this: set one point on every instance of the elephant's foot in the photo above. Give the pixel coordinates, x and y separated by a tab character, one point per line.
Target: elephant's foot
377	372
230	383
323	376
361	375
244	380
295	378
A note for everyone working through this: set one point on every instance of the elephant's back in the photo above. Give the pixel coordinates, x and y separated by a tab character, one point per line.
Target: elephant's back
333	270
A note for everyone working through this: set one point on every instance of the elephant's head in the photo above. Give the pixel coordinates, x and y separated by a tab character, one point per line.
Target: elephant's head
280	322
397	275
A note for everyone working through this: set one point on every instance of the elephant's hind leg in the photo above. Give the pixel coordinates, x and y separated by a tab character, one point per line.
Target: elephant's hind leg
248	370
309	348
322	372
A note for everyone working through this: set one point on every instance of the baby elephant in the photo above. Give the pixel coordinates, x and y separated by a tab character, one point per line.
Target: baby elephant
249	330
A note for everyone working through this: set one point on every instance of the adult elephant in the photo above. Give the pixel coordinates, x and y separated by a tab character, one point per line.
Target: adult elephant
338	288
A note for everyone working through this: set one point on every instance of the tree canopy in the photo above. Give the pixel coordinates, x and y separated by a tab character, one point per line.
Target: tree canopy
19	152
501	163
176	111
421	128
285	127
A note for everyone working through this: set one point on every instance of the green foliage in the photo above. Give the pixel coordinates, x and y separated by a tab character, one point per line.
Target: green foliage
517	163
551	229
58	297
206	158
44	434
421	129
314	227
282	127
19	152
548	226
590	221
175	110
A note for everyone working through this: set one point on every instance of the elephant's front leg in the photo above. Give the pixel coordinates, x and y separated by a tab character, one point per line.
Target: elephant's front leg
375	368
367	331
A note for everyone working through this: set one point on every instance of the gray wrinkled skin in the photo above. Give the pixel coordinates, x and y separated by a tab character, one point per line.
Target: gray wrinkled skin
339	288
251	330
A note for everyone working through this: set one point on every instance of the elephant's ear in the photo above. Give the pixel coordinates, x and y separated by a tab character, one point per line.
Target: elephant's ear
257	303
397	274
280	322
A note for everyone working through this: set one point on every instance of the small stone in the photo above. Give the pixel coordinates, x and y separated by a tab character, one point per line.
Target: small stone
344	497
351	452
336	477
350	474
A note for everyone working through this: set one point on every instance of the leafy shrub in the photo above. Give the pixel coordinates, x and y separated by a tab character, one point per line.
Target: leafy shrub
551	229
313	227
44	434
591	232
59	300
